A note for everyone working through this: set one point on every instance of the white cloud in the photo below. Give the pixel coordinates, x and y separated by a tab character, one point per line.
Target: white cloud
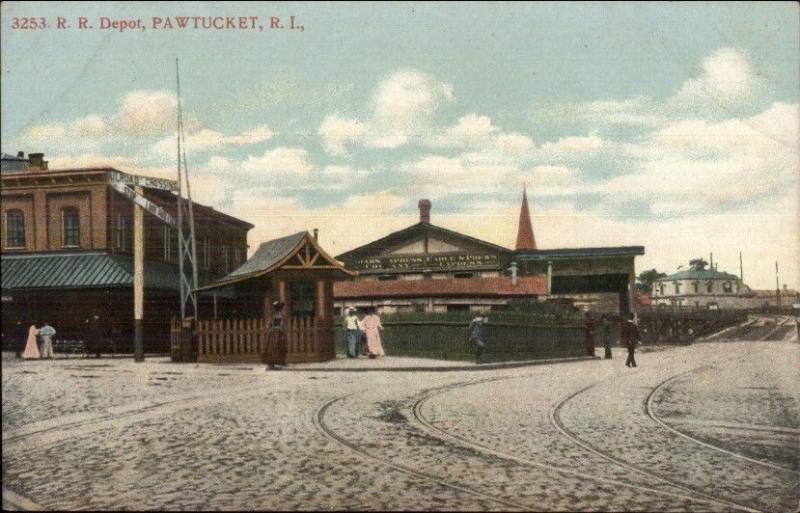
436	175
41	133
282	160
471	130
572	146
728	80
407	94
401	109
360	219
337	132
205	139
90	126
147	113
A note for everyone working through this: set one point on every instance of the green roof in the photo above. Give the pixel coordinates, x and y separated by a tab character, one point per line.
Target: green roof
81	270
692	274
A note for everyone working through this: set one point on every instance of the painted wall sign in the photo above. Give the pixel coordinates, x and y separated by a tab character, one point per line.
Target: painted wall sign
422	262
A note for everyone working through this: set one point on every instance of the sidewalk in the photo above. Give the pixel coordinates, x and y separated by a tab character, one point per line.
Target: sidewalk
409	364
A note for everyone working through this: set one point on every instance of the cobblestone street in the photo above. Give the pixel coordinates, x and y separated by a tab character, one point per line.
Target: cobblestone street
708	427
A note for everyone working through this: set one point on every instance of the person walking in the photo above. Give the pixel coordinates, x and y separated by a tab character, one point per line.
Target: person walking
606	328
276	351
47	333
475	334
629	335
372	327
31	347
352	331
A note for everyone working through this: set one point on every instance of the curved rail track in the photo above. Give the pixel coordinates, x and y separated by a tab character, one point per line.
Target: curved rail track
322	426
648	410
692	494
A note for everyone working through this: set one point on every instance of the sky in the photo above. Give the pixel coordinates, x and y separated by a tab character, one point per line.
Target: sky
674	126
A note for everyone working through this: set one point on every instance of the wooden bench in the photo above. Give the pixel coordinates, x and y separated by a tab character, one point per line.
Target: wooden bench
69	347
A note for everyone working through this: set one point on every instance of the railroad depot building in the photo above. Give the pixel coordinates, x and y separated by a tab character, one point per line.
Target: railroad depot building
428	268
67	253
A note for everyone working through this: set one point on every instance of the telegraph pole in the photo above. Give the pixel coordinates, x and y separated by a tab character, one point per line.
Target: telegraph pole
138	279
777	286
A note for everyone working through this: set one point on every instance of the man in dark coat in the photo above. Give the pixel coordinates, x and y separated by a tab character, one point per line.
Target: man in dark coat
606	328
629	336
475	335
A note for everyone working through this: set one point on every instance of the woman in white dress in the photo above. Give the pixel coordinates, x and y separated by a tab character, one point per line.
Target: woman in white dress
31	348
372	327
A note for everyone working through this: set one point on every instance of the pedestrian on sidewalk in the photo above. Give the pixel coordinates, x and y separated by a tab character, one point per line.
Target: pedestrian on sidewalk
31	346
629	336
606	327
47	333
475	334
352	332
276	352
372	327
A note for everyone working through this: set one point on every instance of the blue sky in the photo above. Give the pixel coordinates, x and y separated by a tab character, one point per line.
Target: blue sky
673	126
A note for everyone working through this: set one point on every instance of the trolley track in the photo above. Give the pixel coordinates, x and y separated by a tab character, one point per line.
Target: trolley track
322	426
691	494
649	411
555	420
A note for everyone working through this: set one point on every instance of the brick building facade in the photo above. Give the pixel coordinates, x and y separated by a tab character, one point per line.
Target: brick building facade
67	246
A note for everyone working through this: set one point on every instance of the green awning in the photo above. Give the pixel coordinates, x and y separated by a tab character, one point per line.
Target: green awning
81	270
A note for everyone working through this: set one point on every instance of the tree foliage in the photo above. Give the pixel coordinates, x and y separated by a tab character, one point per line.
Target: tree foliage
644	282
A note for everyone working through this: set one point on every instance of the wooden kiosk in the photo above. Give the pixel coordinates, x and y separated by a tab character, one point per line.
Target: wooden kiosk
294	270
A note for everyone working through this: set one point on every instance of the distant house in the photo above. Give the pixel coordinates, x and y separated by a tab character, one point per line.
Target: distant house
785	297
700	287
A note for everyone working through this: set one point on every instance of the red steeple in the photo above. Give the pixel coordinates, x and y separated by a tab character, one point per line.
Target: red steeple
525	238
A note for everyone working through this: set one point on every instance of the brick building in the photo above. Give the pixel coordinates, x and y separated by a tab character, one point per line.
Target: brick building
429	268
67	253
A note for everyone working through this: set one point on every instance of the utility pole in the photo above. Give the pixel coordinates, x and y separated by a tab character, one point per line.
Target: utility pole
138	279
777	286
741	268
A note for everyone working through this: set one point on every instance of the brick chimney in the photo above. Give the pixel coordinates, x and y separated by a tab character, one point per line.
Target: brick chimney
424	211
36	162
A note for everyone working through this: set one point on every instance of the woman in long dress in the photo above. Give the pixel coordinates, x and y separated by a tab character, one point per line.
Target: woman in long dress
372	328
31	348
276	349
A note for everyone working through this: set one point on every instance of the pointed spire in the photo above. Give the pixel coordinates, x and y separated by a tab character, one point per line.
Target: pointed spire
525	238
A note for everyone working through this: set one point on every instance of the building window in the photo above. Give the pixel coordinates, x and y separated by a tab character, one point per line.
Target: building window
15	229
696	287
71	227
709	286
387	277
677	287
122	232
302	299
458	308
726	287
237	258
464	275
661	289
